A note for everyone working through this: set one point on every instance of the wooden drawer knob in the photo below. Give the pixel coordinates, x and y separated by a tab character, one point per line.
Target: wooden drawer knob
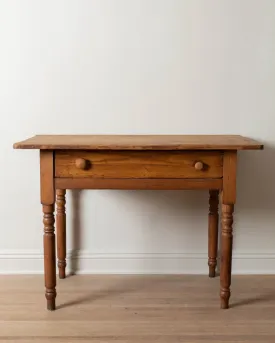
81	163
199	165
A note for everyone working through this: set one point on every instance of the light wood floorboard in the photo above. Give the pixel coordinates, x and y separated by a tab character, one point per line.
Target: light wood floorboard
137	309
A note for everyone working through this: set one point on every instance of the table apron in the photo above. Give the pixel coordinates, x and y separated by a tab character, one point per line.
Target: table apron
135	184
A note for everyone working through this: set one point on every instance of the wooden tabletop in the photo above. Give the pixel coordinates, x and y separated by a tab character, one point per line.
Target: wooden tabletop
139	142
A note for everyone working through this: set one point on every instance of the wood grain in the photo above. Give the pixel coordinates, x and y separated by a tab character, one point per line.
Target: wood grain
139	142
47	177
137	309
138	164
229	177
141	184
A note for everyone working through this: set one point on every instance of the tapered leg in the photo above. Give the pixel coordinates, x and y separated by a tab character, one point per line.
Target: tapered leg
213	230
61	231
226	253
49	256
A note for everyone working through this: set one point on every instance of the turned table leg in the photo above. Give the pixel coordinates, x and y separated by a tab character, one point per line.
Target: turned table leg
228	201
61	231
47	201
226	253
213	229
49	256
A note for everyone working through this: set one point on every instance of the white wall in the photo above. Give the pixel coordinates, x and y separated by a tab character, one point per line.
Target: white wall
137	67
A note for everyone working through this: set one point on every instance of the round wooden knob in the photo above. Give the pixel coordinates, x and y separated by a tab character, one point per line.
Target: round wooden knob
199	165
81	163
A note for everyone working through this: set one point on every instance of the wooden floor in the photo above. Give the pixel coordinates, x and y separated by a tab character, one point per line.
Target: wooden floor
137	309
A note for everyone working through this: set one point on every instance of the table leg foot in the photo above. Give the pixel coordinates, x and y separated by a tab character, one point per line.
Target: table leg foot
212	271
61	273
225	295
50	296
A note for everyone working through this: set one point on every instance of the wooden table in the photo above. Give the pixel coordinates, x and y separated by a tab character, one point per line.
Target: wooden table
156	162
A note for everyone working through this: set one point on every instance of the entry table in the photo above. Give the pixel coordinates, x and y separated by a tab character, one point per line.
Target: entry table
155	162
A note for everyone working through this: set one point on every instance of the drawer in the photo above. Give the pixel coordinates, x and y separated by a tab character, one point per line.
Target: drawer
138	164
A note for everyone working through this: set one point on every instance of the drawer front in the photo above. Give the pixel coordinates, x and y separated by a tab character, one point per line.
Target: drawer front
138	164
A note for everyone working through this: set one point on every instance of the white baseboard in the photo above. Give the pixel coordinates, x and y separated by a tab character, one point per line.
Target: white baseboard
31	262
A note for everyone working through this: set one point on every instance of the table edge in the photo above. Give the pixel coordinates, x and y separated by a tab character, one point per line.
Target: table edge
18	146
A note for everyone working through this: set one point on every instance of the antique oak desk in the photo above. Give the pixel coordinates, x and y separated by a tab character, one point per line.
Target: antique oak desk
138	162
